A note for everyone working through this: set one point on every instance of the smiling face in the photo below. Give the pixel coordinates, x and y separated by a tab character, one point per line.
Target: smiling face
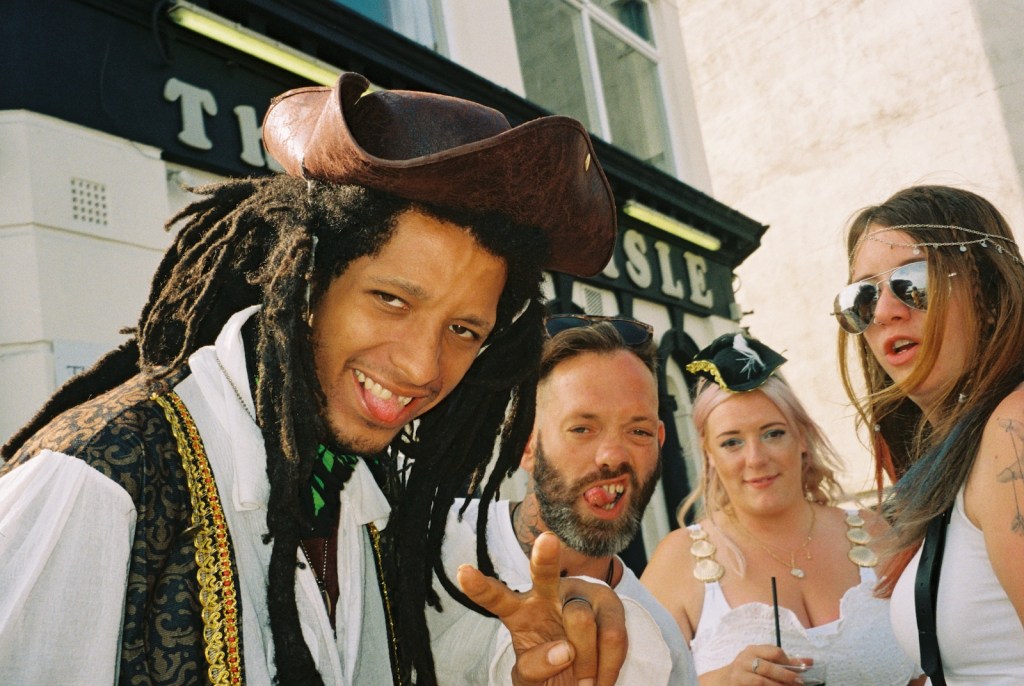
755	453
597	414
897	333
397	330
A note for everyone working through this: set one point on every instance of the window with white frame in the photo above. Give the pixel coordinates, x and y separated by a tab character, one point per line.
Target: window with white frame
596	60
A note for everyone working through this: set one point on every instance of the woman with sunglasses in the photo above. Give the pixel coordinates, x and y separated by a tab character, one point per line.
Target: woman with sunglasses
769	529
935	315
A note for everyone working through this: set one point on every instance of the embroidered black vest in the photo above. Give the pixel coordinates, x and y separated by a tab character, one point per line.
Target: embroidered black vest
126	435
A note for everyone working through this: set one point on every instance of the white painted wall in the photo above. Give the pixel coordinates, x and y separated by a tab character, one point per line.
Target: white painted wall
677	87
812	109
67	286
480	37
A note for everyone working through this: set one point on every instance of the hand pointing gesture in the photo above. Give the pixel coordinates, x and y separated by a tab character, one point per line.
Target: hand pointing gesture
564	630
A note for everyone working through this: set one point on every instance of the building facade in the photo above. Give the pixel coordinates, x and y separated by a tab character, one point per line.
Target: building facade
817	109
114	108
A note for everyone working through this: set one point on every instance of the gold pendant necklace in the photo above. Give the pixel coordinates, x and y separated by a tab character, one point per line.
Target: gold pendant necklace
796	571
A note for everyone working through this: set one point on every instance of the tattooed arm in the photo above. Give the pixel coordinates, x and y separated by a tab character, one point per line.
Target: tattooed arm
994	497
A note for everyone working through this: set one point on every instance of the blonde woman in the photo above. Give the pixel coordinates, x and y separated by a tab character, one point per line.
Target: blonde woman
767	491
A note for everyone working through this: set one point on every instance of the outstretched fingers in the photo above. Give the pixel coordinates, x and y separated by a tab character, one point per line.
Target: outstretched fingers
542	652
487	592
558	623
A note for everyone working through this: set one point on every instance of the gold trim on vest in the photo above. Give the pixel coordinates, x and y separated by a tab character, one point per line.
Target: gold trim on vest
217	593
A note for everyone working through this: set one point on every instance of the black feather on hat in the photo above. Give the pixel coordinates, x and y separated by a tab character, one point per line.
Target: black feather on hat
736	363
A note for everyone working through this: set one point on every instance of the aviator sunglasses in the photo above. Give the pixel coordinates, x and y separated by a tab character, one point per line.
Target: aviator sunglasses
633	332
855	305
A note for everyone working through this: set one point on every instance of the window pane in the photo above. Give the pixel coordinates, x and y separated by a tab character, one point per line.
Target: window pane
631	13
549	36
411	19
372	9
632	96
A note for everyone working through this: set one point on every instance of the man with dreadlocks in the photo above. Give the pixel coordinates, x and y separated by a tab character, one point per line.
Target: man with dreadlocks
254	486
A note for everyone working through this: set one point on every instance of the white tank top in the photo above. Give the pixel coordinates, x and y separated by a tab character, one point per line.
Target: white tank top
980	635
859	646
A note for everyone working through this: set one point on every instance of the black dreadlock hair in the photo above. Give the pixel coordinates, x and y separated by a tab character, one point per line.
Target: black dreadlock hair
251	241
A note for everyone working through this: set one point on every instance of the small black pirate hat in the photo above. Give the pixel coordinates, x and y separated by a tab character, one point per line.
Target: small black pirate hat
736	363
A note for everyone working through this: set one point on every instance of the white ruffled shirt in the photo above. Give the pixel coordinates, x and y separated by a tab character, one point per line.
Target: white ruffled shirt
234	446
66	532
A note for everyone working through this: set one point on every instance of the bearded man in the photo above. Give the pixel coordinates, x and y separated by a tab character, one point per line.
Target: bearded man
593	459
254	486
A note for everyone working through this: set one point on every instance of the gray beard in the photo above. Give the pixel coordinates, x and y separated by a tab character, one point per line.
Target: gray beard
590	536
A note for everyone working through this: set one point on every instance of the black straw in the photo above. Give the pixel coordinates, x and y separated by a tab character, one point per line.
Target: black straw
775	605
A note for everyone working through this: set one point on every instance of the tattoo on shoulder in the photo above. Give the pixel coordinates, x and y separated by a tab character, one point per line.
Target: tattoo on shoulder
1012	426
1015	471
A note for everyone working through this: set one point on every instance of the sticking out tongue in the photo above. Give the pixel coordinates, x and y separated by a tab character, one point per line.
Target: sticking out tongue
386	411
598	497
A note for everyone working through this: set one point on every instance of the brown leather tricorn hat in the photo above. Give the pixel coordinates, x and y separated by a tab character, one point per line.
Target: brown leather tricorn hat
452	153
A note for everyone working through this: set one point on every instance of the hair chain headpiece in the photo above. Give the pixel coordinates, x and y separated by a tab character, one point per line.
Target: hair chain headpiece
982	239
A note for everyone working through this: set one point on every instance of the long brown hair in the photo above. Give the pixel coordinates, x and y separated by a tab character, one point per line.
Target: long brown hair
930	453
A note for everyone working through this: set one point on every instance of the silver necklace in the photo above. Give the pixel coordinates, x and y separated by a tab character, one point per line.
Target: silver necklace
321	579
241	400
795	570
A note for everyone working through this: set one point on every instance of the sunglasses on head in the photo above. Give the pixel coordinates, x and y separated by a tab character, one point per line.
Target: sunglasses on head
855	305
631	331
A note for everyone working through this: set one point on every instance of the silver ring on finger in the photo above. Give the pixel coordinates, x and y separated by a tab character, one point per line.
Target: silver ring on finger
755	664
576	599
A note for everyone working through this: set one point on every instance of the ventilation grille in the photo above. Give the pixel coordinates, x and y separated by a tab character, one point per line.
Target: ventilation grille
89	202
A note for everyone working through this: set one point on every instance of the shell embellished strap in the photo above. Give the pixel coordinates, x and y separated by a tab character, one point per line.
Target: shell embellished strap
706	569
860	554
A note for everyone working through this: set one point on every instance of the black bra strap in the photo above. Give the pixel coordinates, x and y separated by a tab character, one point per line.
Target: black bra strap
926	588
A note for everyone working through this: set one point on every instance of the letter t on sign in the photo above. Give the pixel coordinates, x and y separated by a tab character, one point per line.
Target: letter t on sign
194	102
